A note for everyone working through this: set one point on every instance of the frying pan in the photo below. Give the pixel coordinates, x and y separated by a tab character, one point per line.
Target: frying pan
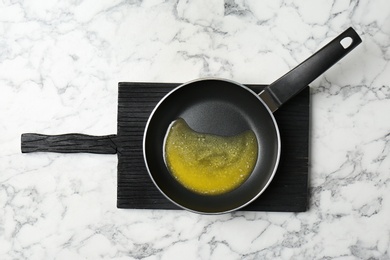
214	106
224	107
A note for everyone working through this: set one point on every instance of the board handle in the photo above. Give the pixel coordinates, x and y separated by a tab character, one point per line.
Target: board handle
68	143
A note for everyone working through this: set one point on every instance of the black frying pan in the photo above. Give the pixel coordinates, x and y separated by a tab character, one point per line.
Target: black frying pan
223	107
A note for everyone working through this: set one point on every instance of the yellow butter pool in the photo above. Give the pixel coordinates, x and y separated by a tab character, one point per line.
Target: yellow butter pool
209	164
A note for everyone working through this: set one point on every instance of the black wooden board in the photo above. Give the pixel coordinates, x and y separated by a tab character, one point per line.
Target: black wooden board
288	191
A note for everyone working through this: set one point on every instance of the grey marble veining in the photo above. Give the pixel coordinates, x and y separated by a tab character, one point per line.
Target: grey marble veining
60	62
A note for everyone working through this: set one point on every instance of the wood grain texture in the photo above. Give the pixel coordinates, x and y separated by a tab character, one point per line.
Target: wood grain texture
68	143
288	191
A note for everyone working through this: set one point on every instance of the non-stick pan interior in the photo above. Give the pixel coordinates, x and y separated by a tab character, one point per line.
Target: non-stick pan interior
215	107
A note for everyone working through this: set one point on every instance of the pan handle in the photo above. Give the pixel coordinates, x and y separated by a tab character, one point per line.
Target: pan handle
298	78
68	143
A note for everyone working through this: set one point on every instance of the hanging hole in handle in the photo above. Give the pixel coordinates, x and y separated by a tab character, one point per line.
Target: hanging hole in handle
346	42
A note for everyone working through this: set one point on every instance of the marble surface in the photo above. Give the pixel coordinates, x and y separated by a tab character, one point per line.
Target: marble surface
60	62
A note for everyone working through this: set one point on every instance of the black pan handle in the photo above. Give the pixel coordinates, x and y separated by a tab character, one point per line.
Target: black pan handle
69	143
298	78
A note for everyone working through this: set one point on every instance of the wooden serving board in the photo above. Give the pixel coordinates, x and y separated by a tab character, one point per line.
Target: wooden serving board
288	191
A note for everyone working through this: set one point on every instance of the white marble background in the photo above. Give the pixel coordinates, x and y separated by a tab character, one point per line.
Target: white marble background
60	62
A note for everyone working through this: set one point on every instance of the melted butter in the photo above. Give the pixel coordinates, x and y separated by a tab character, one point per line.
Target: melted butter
209	164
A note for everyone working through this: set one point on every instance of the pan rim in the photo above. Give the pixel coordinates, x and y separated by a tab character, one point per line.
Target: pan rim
278	152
